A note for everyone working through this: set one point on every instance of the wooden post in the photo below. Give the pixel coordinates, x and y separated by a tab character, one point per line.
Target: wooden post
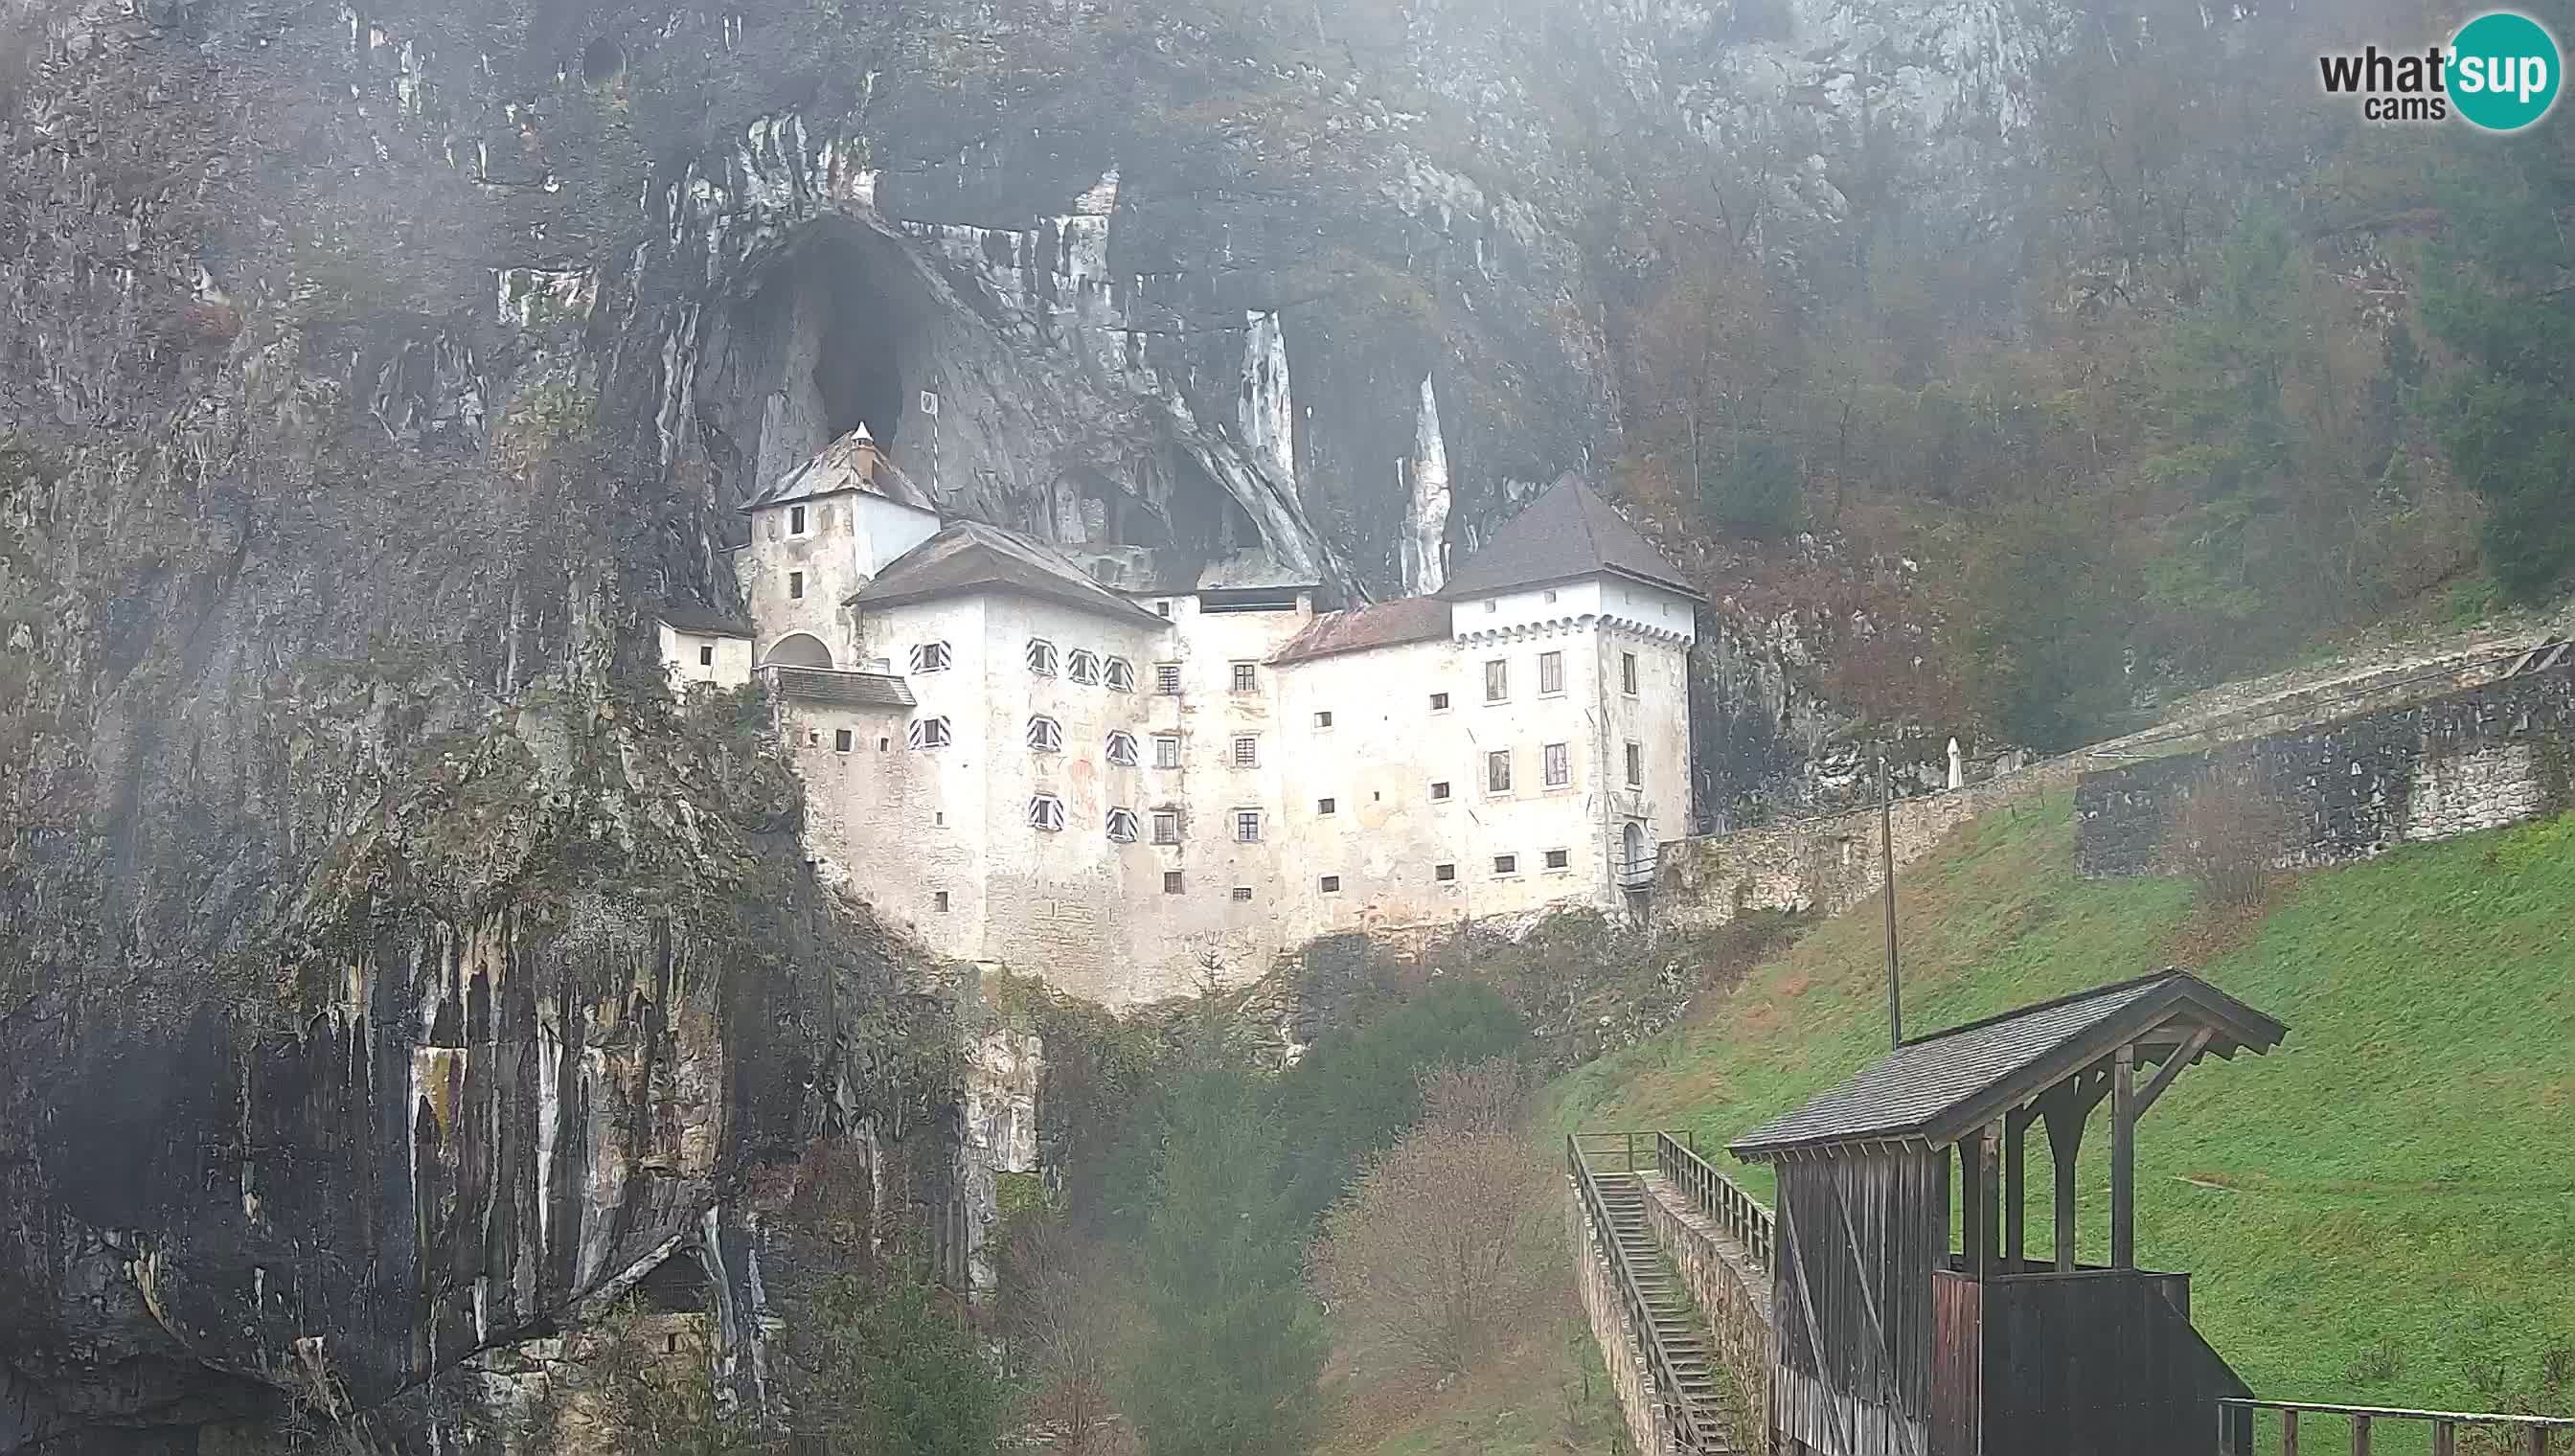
2360	1436
2066	1111
1971	1202
2016	1164
1989	1191
2123	1160
2445	1438
2538	1441
2288	1433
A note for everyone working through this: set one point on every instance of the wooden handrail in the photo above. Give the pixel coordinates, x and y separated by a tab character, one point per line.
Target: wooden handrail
2234	1436
1658	1361
1722	1199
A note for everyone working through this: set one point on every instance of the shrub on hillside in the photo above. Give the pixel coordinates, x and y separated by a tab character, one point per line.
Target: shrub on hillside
2229	838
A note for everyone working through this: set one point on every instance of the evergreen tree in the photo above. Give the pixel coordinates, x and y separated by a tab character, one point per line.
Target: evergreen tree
1234	1346
2499	292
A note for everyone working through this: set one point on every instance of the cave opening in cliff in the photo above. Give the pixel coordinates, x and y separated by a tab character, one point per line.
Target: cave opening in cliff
835	333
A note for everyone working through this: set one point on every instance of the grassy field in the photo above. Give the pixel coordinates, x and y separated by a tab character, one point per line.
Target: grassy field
2382	1211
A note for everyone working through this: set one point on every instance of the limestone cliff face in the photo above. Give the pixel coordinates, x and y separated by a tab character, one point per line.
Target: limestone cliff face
388	965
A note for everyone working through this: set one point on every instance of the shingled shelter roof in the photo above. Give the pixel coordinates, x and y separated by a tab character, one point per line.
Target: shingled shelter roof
705	620
1384	623
846	690
1934	1090
1567	532
969	556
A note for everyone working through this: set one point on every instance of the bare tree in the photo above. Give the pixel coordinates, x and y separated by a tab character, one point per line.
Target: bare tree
1070	1325
1439	1248
2229	838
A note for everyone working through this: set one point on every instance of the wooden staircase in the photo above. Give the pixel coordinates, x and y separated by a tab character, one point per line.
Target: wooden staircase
1676	1323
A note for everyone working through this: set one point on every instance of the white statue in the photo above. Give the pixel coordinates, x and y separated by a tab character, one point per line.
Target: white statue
1957	767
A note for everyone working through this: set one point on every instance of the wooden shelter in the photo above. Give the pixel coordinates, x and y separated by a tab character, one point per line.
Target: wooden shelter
1888	1341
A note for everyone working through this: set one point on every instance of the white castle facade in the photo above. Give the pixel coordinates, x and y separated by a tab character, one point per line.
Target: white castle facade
1116	787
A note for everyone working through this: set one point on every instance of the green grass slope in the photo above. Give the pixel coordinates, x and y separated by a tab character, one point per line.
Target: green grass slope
2382	1211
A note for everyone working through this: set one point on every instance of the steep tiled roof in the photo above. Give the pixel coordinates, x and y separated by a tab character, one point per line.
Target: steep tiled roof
850	463
1567	532
702	619
969	556
1404	619
1938	1088
847	690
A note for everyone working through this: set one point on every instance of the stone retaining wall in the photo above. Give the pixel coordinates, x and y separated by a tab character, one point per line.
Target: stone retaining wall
1827	865
1732	1292
2357	785
1621	1348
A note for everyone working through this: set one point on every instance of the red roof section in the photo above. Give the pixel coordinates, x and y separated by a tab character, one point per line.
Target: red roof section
1387	623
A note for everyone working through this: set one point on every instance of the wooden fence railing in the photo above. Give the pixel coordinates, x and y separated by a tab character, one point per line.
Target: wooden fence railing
1714	1194
2529	1434
1670	1393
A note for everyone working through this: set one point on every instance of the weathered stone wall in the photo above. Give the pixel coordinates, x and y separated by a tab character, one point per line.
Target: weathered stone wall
2357	785
1616	1334
1732	1292
1825	865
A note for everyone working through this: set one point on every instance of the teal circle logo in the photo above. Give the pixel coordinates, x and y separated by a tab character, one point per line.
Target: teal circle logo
2503	71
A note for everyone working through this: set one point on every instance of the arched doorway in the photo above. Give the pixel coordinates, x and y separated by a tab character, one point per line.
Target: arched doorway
1632	859
798	649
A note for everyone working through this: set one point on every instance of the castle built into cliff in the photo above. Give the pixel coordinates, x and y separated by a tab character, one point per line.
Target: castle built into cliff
1113	773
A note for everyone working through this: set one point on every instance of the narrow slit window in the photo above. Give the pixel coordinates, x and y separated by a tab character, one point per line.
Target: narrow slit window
1636	764
796	585
706	654
938	901
1627	674
796	521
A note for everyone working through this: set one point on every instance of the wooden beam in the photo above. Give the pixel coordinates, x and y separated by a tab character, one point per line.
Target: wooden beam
2015	1169
1971	1202
2171	1069
2123	1158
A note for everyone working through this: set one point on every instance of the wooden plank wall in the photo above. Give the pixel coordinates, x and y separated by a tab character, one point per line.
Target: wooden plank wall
1957	1365
2098	1364
1859	1239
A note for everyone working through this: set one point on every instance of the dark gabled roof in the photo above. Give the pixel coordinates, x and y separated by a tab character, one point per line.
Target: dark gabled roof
703	620
968	557
1404	619
846	690
1935	1089
1567	532
850	463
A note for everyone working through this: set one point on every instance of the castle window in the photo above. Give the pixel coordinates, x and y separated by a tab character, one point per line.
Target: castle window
841	741
1439	702
1550	674
1045	812
1122	675
1330	885
1246	678
1167	677
938	901
1166	750
1324	805
1493	604
1498	681
930	657
1162	608
1046	736
796	585
706	654
1167	827
1627	674
1507	864
1444	872
927	733
1497	772
1323	719
796	521
1040	656
1636	764
1558	858
1122	827
1559	766
1550	593
1122	749
1084	668
1242	894
1247	752
1170	881
884	743
1246	826
1440	790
